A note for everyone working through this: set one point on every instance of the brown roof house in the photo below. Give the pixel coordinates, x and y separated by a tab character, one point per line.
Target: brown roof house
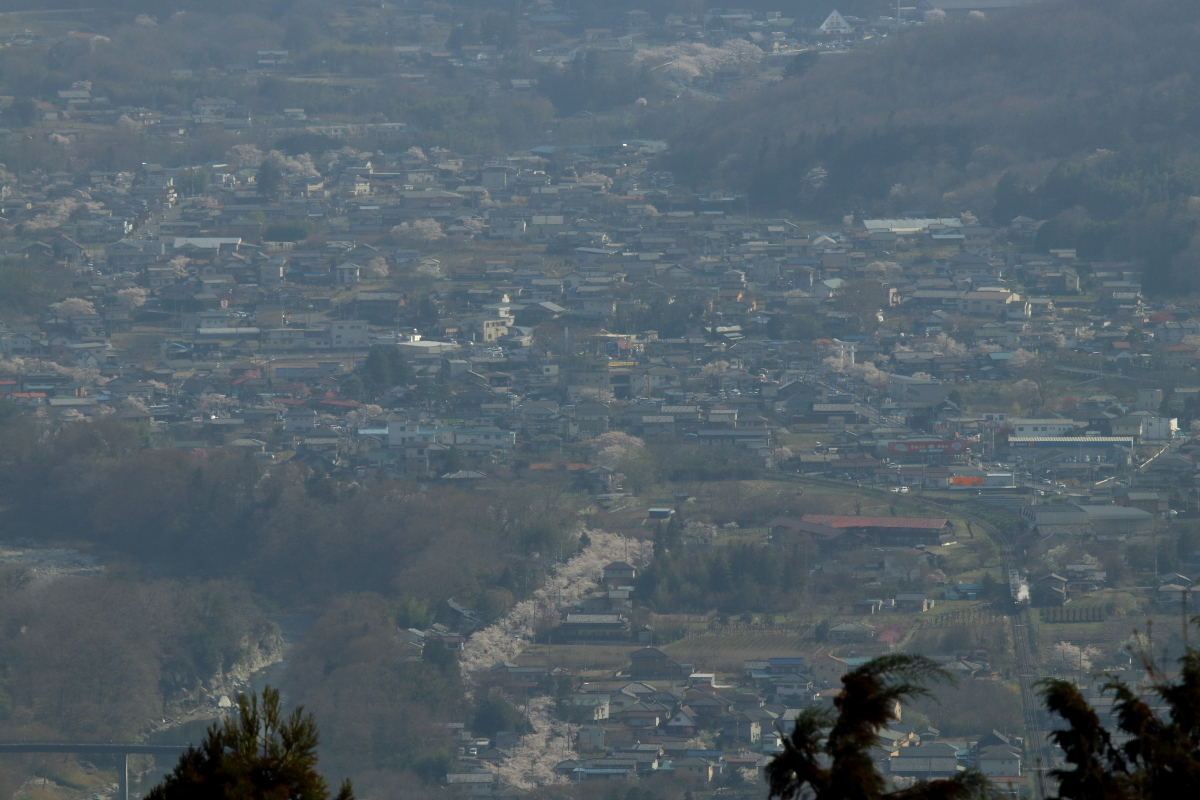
618	573
593	627
650	663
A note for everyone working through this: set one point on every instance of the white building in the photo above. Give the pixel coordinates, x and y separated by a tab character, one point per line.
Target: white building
836	24
349	334
1000	761
1159	429
1042	427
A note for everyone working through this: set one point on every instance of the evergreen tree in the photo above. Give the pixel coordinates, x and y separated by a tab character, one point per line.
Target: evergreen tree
496	713
800	64
269	180
843	742
674	533
253	755
660	539
22	112
1161	757
384	368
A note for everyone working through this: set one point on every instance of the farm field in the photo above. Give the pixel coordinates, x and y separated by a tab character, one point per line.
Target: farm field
585	658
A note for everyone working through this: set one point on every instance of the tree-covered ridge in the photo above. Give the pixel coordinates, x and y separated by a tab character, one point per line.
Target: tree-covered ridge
933	119
295	533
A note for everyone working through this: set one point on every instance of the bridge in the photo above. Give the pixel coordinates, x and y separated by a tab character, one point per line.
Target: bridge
95	748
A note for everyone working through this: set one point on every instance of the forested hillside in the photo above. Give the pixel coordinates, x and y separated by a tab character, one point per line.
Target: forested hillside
999	116
197	548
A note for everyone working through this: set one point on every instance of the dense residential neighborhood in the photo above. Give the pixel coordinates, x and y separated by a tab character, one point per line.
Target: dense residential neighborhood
446	317
409	360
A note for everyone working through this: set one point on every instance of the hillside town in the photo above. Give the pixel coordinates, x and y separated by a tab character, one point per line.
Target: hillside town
812	442
448	318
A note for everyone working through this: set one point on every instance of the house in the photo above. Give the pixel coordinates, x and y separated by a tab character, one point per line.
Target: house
1117	523
925	761
523	677
914	602
618	573
988	302
685	722
1150	502
835	25
1049	590
651	664
476	784
791	686
996	738
695	770
68	249
1171	595
1041	427
590	738
999	761
300	420
1027	227
708	706
741	727
348	274
828	669
349	334
134	255
592	628
785	665
597	705
646	714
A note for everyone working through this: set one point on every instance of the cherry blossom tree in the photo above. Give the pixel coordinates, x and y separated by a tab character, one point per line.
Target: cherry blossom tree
423	231
1075	657
611	447
57	213
245	155
73	307
300	166
132	297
